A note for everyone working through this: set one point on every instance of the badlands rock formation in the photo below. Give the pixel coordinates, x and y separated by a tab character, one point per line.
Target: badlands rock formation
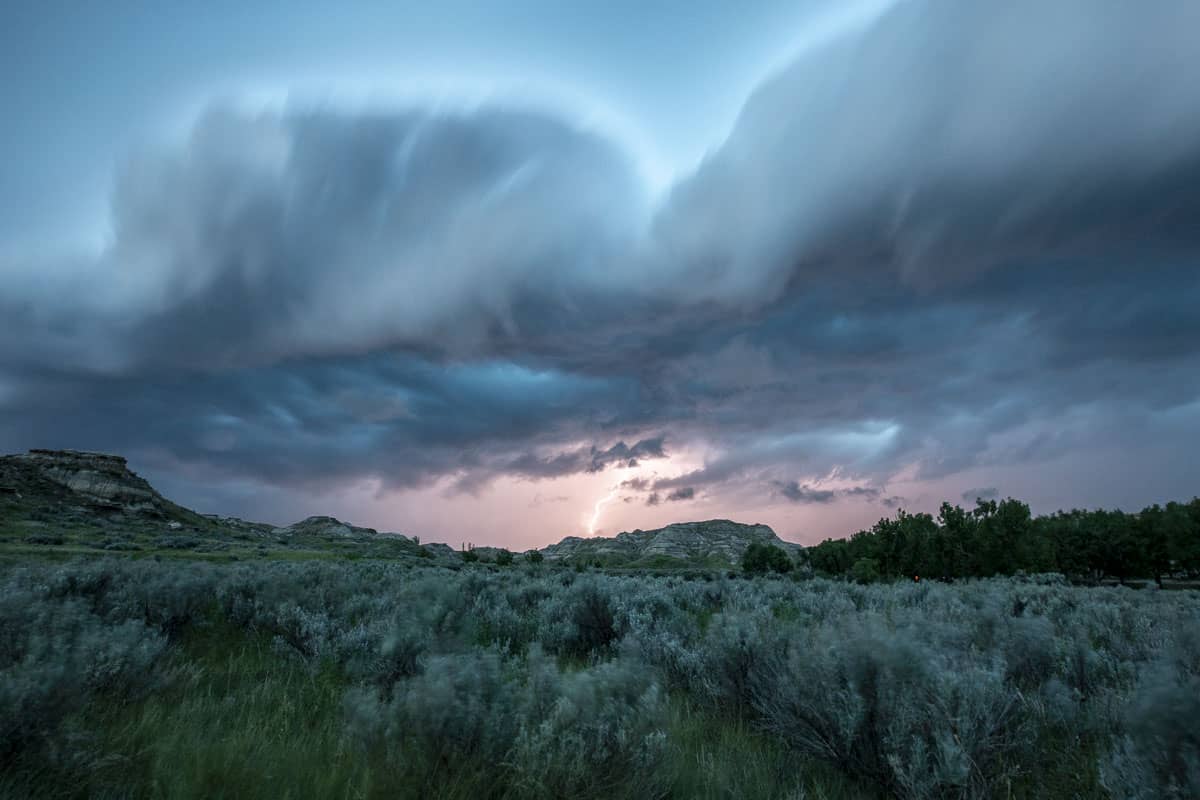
711	540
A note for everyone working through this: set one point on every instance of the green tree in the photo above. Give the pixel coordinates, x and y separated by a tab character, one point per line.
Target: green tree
1121	553
761	558
1153	532
830	557
504	558
1184	536
1075	541
955	541
535	557
865	570
1011	527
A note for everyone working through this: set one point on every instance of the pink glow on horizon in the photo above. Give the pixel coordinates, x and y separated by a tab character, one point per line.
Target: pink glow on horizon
520	514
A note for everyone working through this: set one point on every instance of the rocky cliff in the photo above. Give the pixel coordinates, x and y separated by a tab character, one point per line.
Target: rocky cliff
93	500
76	482
332	528
709	541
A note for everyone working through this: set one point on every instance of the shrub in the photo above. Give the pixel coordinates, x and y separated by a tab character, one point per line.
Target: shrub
915	722
534	557
580	620
1158	753
522	724
923	690
734	651
178	542
57	655
598	732
504	558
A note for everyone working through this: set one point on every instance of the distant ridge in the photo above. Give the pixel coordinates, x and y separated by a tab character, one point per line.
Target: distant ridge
96	494
709	541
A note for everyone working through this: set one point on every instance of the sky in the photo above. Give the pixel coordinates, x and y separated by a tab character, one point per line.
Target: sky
503	273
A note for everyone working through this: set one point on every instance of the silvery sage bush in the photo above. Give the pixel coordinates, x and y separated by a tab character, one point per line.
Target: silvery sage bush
1157	752
888	707
56	656
542	731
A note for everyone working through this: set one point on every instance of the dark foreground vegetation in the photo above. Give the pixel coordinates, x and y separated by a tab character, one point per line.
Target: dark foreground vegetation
143	678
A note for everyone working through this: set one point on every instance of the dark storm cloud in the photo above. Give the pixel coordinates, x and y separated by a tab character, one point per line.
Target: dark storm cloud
534	466
397	419
987	493
623	455
964	238
798	492
673	496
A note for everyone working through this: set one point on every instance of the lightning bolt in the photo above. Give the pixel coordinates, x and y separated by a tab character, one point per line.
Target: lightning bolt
601	503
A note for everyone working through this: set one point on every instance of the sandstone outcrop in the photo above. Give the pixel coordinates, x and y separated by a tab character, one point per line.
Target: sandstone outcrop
332	528
95	482
708	541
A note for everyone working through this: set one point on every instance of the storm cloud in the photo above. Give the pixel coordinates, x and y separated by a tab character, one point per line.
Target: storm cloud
961	239
674	496
797	492
988	493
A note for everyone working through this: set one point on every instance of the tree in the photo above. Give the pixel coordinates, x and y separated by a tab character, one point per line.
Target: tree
1001	538
535	557
957	531
1121	553
504	558
1154	534
761	558
1010	526
830	557
1184	536
865	570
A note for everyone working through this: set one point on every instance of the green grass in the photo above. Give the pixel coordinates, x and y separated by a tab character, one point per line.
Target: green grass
17	548
235	718
715	758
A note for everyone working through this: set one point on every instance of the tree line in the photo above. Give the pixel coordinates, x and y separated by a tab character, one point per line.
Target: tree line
1003	538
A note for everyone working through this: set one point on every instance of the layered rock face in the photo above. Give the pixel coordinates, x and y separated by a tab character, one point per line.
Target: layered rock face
101	480
85	492
331	528
327	527
716	539
105	480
